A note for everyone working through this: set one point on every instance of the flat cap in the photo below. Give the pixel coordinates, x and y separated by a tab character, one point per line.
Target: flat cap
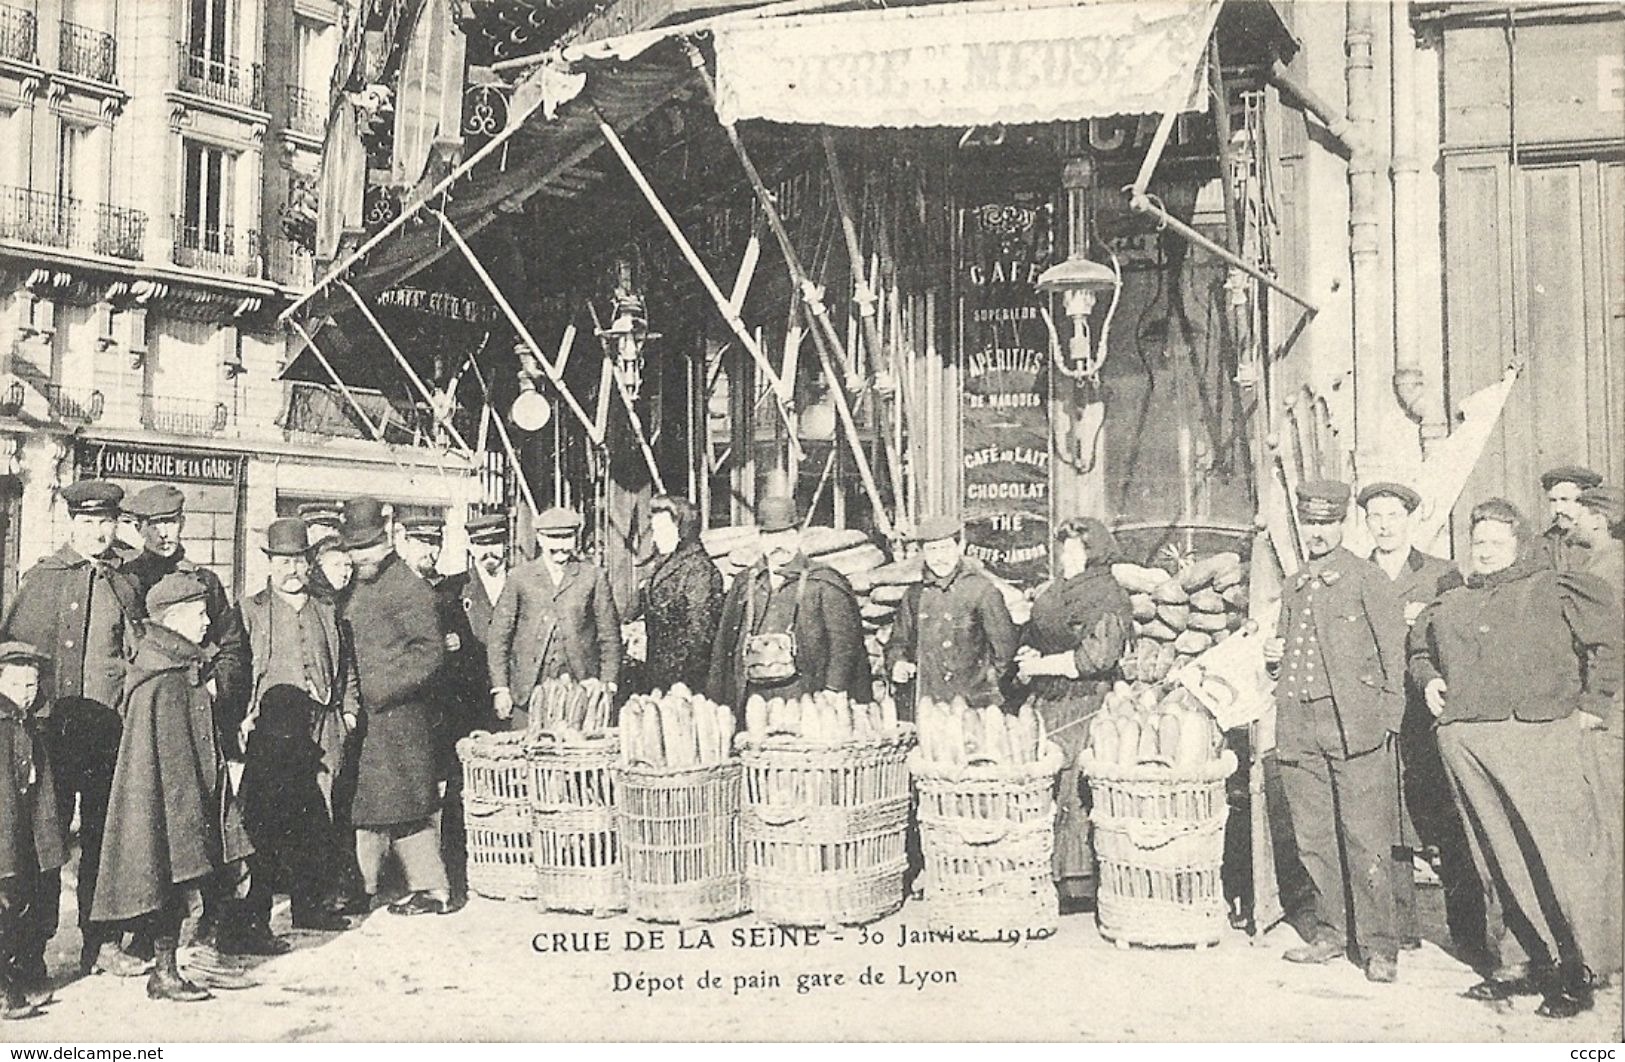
492	527
1323	501
363	523
21	653
287	537
777	512
558	522
937	528
156	502
93	497
1610	501
176	588
1408	497
326	513
426	528
1579	475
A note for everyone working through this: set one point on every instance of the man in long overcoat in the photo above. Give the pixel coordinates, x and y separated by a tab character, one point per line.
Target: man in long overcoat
31	839
79	606
555	617
399	650
785	592
1341	699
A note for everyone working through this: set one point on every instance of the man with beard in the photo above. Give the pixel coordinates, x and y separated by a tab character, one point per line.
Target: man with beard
299	657
1563	487
474	595
79	606
953	635
1341	698
789	626
399	651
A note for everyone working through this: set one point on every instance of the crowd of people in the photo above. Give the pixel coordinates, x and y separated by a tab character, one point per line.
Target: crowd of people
302	740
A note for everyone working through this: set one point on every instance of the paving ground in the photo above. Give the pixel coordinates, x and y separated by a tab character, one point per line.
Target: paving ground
475	975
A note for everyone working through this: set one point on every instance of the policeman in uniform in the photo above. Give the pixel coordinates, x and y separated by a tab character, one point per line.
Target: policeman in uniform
80	606
1563	487
473	595
1340	654
321	521
953	635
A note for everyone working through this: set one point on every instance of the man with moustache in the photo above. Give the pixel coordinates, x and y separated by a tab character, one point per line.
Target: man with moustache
1340	653
1563	486
474	595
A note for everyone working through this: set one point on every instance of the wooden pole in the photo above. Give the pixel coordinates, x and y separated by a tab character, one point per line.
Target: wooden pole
406	367
723	306
376	430
507	444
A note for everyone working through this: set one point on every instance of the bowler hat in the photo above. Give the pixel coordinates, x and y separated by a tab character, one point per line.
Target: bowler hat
425	528
174	589
156	502
363	523
1407	497
287	537
483	530
21	653
1609	501
1323	501
558	522
93	497
1579	475
777	512
937	528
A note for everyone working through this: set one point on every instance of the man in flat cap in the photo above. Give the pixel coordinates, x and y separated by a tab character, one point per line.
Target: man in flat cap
1339	651
399	651
953	635
789	626
82	608
321	520
299	660
1427	813
1563	486
32	847
555	617
166	812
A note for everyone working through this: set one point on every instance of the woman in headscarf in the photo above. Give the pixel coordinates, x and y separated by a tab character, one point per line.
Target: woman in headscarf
1071	648
682	601
331	570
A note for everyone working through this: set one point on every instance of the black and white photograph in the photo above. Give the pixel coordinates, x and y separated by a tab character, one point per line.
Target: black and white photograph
811	521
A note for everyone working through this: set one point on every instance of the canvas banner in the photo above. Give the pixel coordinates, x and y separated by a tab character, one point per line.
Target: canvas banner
966	64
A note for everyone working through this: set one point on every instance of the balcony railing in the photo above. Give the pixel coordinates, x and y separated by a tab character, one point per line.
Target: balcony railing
184	416
64	221
307	111
216	249
71	404
290	264
19	34
88	53
223	80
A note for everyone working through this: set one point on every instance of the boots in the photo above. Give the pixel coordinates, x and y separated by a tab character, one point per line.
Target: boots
1324	948
14	1004
166	982
1568	993
110	958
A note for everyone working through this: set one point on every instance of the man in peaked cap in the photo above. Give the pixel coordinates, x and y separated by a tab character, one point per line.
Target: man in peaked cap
322	520
1597	525
953	635
555	617
31	840
1427	813
1563	486
418	540
785	593
81	607
160	518
1339	651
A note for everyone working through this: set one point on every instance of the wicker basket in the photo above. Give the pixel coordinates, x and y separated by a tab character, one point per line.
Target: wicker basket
1159	836
680	842
572	803
496	815
988	837
824	828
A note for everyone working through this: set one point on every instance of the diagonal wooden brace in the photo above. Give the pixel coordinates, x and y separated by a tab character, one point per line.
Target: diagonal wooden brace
406	367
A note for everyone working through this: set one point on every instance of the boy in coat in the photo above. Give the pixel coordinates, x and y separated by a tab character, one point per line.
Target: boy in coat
31	847
1341	697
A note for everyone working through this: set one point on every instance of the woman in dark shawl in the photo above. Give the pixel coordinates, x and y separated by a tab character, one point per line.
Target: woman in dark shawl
1071	648
682	601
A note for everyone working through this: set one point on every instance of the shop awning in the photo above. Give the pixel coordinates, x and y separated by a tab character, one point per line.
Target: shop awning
965	64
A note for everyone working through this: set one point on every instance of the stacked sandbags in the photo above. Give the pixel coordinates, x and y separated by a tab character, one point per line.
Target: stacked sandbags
1178	616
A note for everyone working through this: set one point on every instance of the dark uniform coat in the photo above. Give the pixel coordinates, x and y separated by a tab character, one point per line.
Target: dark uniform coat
225	646
540	629
165	817
830	653
466	612
957	632
51	610
398	652
682	603
31	837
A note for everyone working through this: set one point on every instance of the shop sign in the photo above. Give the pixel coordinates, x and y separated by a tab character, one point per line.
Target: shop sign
118	461
1004	420
439	304
966	64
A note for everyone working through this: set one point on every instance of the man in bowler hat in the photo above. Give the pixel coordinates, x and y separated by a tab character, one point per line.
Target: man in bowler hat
1339	650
